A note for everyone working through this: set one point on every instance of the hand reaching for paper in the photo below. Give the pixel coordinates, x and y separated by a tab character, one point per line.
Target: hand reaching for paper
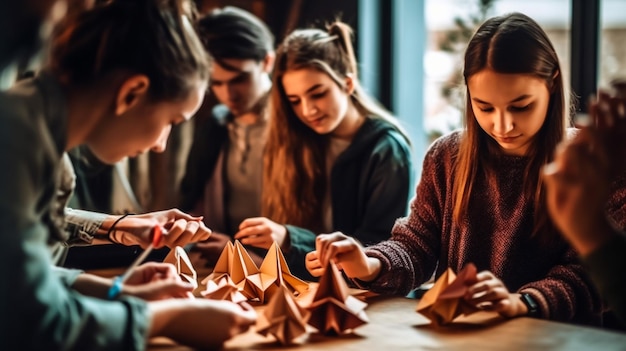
261	232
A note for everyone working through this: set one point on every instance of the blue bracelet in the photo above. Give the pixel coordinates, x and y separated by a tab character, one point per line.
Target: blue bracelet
115	289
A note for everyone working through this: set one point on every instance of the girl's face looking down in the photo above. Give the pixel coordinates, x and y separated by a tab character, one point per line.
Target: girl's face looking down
319	102
139	123
510	108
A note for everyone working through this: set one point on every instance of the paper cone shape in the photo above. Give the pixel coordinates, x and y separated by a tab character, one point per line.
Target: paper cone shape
293	283
444	301
178	257
273	274
224	289
333	310
223	265
242	266
283	318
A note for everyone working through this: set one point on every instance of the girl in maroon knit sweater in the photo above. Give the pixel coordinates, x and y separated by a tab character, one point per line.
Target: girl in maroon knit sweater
480	198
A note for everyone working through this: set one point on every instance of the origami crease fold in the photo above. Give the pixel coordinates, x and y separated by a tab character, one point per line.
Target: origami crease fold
444	301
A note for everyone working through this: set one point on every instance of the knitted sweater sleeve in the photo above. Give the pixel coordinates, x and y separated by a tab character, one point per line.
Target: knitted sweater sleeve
410	256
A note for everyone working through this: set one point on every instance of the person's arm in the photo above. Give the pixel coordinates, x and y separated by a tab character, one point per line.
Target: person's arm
35	304
96	228
606	267
388	186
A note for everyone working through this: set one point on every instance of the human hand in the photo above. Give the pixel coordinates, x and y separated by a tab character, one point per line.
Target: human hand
313	264
156	281
346	253
489	293
261	232
180	227
200	323
578	180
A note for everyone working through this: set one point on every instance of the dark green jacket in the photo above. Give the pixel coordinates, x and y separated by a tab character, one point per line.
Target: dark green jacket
38	309
370	186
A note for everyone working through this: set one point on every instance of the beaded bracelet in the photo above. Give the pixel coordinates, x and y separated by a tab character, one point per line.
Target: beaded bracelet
111	230
115	289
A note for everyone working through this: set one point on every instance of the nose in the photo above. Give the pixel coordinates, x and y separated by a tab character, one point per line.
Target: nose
161	142
231	93
503	123
308	108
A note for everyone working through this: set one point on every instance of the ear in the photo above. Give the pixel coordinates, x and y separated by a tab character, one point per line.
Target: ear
349	87
131	91
268	62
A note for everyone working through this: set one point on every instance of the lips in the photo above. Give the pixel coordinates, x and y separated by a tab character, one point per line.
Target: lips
506	140
316	121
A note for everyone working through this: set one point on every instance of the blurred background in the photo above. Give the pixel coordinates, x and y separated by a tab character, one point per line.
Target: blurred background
410	55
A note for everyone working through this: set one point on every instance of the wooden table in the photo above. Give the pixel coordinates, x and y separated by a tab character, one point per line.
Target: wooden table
394	325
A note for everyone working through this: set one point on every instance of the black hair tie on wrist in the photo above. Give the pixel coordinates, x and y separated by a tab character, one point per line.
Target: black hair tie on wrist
112	228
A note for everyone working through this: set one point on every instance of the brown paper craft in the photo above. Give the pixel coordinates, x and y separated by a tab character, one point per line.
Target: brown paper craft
273	274
333	310
256	283
224	289
283	318
178	257
444	301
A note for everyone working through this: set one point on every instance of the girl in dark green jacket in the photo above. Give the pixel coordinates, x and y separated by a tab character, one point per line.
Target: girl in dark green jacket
335	160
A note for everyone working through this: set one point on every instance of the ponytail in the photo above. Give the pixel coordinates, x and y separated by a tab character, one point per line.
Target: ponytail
343	32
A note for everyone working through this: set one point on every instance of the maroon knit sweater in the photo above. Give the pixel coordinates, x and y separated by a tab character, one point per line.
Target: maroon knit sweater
496	237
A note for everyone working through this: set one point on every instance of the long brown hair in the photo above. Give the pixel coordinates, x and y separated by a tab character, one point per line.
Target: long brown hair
515	44
294	162
151	37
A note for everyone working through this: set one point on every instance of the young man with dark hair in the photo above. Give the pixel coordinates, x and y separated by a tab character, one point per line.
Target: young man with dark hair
224	171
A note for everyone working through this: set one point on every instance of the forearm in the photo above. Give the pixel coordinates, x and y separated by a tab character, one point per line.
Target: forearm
92	285
86	227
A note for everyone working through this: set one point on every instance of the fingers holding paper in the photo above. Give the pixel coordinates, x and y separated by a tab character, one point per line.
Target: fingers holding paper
156	281
347	253
489	293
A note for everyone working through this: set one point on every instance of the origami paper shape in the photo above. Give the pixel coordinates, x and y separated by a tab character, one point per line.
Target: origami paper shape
256	283
333	310
224	289
178	257
274	274
283	318
444	301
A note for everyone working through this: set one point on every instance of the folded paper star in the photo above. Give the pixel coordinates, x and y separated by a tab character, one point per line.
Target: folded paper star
178	257
253	282
283	318
333	310
223	289
444	301
274	274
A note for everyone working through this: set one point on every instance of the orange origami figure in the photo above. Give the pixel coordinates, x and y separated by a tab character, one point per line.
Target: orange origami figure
256	283
283	318
333	310
444	301
223	289
178	257
274	274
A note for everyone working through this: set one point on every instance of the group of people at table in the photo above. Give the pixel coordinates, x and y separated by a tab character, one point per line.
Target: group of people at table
299	154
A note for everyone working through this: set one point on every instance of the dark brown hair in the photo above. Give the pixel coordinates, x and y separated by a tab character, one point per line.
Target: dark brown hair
151	37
